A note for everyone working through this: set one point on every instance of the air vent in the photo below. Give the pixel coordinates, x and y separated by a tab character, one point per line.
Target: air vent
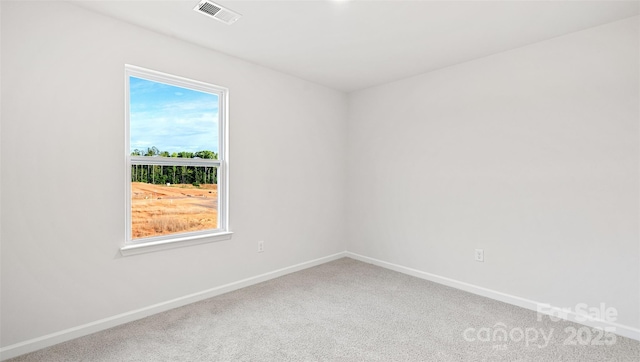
217	12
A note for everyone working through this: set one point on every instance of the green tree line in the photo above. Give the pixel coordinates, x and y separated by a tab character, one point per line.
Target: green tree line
160	175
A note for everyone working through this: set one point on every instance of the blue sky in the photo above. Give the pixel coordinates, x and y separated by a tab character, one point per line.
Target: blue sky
171	118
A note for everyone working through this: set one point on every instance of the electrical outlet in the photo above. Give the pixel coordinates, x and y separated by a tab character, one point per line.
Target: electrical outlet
260	246
480	255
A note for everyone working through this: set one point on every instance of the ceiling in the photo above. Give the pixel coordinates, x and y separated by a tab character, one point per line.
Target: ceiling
351	45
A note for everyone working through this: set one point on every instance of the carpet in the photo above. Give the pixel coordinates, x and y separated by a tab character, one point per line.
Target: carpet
344	310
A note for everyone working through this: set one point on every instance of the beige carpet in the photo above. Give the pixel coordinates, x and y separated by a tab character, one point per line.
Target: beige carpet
341	311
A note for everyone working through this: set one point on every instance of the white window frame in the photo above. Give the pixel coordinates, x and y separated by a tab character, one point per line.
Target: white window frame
144	245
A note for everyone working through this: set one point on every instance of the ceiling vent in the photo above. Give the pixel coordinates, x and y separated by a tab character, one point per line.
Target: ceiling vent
217	12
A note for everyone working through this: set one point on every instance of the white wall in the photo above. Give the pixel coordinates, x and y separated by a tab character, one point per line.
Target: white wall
63	168
530	154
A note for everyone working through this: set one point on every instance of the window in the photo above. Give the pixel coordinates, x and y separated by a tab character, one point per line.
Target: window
176	161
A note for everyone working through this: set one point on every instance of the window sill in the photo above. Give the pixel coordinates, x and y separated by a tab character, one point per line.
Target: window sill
140	248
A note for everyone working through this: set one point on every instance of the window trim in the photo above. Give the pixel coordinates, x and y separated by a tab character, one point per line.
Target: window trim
136	246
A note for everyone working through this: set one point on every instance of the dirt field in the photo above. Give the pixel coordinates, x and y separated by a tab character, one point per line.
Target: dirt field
161	210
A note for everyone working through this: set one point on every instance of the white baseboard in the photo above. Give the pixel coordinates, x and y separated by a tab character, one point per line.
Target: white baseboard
35	344
619	329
